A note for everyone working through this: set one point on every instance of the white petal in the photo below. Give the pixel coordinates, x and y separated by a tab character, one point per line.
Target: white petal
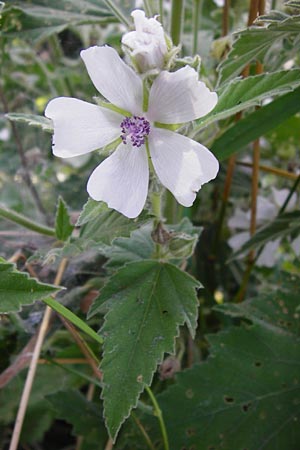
178	97
265	210
80	127
116	81
239	220
181	164
237	240
268	256
122	180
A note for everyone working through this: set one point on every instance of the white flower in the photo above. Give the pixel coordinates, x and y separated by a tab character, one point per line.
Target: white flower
121	180
147	44
266	211
4	134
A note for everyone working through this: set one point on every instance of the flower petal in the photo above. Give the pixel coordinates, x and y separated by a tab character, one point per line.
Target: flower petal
116	81
239	220
121	180
181	164
178	97
80	127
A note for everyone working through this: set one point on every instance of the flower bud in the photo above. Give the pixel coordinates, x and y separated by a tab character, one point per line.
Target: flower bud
146	45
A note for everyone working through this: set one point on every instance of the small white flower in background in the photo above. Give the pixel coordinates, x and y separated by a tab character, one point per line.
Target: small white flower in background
146	46
4	134
267	210
121	180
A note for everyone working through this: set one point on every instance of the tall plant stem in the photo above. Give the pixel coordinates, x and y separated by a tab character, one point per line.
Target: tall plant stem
257	7
33	364
159	416
21	152
196	20
177	16
225	18
148	8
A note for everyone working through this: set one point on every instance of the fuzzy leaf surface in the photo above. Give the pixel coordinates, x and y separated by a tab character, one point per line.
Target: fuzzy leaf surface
253	43
243	93
247	394
40	19
33	120
17	288
148	302
102	224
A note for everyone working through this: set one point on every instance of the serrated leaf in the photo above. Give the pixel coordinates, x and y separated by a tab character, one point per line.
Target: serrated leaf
247	394
63	226
284	225
138	247
256	124
182	240
91	428
102	224
253	43
33	120
148	302
240	94
17	288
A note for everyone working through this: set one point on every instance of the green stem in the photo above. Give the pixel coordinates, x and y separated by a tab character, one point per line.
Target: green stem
25	222
161	11
158	413
196	17
177	15
148	8
63	311
117	12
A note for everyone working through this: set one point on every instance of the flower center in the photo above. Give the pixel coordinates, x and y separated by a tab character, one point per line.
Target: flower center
136	129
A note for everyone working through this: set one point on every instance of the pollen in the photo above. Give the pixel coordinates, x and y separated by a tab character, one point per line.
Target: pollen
135	129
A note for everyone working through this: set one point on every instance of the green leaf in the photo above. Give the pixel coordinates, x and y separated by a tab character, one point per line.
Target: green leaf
17	288
37	20
138	247
148	302
243	93
256	124
102	224
247	394
179	244
63	226
286	224
33	120
70	405
253	43
65	312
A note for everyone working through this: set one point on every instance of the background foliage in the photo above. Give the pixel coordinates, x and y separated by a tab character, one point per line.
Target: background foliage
131	294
